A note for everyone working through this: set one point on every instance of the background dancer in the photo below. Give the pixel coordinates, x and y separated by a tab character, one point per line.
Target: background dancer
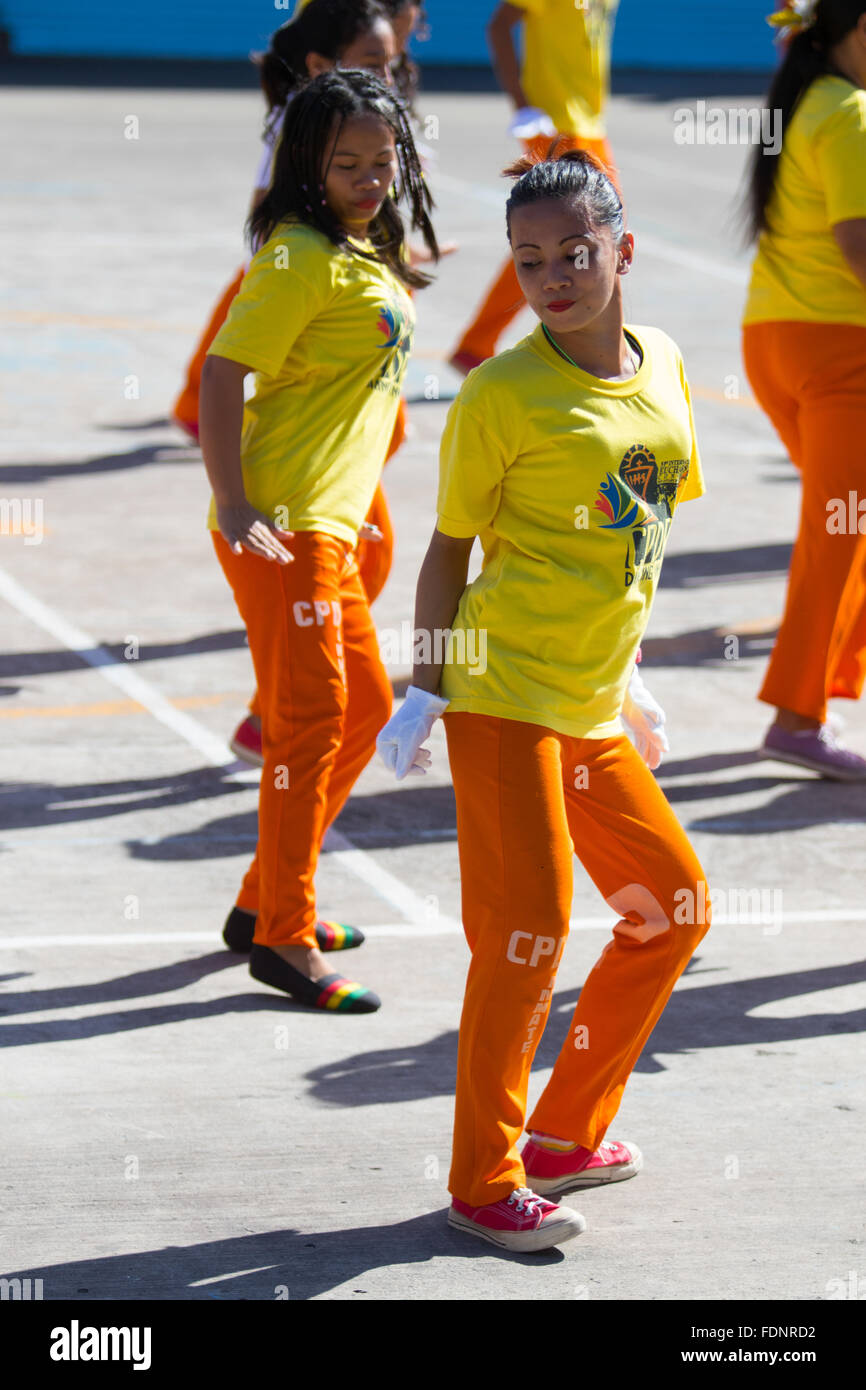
325	320
561	86
804	346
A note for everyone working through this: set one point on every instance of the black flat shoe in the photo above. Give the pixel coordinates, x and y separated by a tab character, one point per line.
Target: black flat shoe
330	936
333	992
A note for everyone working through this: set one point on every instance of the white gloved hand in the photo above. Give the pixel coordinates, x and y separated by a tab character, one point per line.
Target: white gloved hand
644	719
530	121
399	743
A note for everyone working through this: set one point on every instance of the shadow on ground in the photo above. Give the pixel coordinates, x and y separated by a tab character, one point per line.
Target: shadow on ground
706	1016
282	1264
409	815
709	1016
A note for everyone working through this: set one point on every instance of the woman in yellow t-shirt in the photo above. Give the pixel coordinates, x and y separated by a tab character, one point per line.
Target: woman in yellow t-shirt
567	456
325	320
804	346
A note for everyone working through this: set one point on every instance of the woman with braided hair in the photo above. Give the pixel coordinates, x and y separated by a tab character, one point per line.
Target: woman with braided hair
332	33
804	345
325	320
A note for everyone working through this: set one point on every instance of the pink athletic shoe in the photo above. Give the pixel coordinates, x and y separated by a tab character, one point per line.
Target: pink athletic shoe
246	743
818	749
520	1221
553	1171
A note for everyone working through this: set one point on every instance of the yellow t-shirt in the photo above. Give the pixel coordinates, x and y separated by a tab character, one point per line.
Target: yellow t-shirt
328	335
566	61
799	273
571	482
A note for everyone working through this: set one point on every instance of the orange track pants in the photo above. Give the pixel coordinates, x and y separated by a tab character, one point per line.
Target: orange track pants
324	697
374	562
374	557
810	379
504	299
519	816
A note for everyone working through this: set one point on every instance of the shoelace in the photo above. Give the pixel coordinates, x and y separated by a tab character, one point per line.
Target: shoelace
525	1199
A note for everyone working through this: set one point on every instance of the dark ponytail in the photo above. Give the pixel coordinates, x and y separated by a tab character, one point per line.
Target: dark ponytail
806	57
573	174
298	173
324	26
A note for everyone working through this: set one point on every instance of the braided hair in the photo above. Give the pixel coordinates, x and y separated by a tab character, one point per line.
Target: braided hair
298	171
572	174
807	57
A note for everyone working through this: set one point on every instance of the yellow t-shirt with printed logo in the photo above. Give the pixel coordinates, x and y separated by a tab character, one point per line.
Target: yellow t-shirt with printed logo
571	483
328	334
799	273
566	61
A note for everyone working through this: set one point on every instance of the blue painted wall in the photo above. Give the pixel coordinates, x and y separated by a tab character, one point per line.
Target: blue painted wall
650	33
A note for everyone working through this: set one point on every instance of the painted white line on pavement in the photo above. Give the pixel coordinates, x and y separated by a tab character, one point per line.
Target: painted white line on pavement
407	902
118	674
444	926
404	899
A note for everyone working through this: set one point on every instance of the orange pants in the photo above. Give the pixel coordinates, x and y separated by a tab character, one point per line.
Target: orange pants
504	299
374	557
324	697
810	378
527	797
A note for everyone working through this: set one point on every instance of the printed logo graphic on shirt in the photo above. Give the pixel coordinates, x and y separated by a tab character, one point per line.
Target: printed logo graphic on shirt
641	500
397	345
617	502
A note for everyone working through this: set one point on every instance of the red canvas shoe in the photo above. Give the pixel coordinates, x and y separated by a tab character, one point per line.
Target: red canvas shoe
246	743
554	1171
520	1221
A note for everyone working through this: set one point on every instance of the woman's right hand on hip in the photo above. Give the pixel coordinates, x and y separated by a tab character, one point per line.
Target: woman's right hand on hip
244	527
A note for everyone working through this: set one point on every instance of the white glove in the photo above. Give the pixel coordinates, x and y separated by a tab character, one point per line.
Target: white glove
644	719
530	121
399	743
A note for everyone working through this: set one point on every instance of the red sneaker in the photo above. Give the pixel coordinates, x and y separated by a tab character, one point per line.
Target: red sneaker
555	1171
246	743
520	1221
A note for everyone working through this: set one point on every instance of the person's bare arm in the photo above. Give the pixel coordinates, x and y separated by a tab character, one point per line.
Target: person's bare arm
503	51
221	410
851	239
440	584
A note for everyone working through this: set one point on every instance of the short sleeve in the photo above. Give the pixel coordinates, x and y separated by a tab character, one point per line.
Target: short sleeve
533	7
472	465
275	303
840	152
693	485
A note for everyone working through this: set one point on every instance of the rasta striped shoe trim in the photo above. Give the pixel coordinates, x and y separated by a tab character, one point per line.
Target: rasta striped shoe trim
336	936
332	992
330	936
